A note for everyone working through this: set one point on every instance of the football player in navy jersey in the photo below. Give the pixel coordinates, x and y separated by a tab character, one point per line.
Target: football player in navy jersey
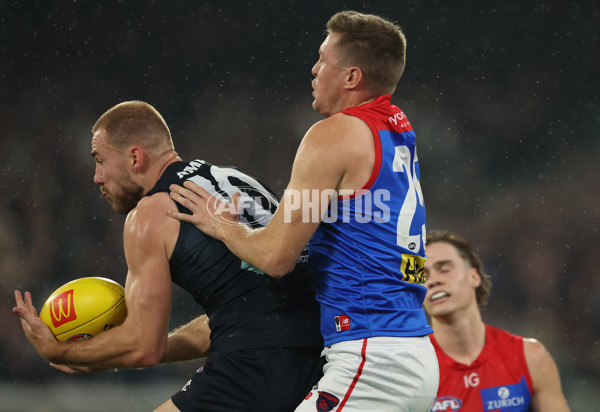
260	335
482	368
354	197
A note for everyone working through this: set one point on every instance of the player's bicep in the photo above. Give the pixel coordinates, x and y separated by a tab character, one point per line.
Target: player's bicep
547	390
148	285
320	161
314	177
318	168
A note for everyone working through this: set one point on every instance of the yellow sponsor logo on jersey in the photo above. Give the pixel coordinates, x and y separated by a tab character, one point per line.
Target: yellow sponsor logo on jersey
411	268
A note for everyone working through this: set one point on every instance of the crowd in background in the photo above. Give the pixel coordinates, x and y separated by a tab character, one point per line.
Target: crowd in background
504	102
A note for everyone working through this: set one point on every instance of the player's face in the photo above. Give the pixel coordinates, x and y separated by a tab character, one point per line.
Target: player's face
329	78
112	175
451	282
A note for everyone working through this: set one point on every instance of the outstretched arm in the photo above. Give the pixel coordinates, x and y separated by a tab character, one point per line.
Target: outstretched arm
547	391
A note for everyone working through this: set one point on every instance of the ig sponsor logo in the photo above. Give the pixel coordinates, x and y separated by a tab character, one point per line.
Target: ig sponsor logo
471	380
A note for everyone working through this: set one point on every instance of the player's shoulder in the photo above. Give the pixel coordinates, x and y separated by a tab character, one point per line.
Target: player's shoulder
336	129
150	217
342	121
535	351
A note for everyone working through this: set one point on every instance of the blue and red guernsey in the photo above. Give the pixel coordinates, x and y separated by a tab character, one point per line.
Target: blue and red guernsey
368	252
497	381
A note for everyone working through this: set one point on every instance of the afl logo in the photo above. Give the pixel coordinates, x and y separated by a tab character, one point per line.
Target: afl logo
446	404
79	336
254	207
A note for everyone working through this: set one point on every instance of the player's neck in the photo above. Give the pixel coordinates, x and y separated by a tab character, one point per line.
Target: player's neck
461	336
355	98
160	167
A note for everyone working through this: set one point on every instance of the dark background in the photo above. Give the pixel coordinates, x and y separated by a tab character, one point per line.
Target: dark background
503	97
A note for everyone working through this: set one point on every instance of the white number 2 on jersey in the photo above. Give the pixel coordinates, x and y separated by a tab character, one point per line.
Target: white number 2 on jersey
403	164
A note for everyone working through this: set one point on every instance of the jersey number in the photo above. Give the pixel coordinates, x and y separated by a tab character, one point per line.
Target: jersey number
402	164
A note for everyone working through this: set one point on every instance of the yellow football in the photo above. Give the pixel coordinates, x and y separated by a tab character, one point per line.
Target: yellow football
83	308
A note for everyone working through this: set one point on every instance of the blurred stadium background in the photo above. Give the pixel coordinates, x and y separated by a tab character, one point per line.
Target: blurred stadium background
503	97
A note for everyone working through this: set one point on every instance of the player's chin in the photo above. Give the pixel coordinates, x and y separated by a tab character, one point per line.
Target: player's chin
434	310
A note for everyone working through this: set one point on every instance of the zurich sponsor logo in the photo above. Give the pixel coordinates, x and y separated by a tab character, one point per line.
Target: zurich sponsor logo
506	398
446	404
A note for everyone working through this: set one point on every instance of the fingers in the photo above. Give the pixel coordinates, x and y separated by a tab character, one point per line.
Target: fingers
21	308
184	217
65	368
19	298
190	190
188	198
198	190
24	306
236	202
29	303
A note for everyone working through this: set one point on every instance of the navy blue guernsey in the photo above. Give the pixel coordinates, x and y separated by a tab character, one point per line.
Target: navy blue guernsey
247	308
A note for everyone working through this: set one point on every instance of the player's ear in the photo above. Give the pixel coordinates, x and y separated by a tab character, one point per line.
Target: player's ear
353	77
475	277
137	158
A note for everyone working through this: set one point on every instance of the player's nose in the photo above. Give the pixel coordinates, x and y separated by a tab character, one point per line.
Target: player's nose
98	179
431	280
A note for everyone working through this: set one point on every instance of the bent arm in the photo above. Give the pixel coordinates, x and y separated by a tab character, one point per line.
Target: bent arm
547	391
191	341
141	340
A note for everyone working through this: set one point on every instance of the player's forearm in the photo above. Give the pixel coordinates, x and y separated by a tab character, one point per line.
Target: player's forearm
260	248
111	349
190	341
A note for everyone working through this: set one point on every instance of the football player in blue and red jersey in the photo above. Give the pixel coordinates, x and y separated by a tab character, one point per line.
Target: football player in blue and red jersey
359	168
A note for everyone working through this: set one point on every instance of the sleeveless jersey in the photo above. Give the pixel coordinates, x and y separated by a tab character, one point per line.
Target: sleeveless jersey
246	308
497	381
368	251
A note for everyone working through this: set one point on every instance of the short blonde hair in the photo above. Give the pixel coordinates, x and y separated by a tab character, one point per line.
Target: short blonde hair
135	122
373	44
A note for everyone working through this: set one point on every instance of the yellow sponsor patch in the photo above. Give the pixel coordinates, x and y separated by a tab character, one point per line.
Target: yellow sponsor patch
411	268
